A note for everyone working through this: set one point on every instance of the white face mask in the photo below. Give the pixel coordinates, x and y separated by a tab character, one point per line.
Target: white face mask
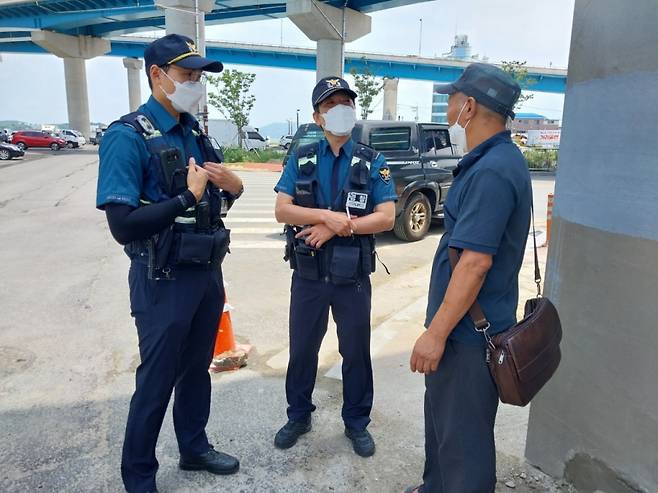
340	120
186	95
457	132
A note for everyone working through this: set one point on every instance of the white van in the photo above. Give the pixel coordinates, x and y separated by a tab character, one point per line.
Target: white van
252	140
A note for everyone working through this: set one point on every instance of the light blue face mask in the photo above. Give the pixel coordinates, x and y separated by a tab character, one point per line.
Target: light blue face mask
186	95
457	132
340	120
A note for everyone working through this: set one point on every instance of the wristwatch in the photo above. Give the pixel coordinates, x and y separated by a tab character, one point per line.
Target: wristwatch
239	194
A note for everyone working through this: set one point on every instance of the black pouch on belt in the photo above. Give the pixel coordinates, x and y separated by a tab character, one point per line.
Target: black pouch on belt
221	242
307	261
344	266
194	249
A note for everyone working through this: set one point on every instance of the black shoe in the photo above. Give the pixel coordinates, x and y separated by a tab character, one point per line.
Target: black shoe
212	461
362	442
287	436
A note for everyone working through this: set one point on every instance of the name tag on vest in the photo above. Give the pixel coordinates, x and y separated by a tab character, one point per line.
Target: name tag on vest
356	200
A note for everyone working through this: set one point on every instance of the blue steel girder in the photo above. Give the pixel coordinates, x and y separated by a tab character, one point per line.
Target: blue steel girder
305	60
113	28
99	17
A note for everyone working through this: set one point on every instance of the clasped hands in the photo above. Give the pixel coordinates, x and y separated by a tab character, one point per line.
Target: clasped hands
334	223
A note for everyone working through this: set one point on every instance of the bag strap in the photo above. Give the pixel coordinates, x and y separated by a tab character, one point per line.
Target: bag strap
475	311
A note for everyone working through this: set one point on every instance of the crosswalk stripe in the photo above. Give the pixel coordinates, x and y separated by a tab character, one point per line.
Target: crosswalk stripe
257	245
270	219
256	231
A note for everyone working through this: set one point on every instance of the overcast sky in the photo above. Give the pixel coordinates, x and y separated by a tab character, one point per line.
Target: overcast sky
32	86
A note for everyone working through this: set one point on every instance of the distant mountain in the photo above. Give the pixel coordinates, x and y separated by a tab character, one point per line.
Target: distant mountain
274	130
18	125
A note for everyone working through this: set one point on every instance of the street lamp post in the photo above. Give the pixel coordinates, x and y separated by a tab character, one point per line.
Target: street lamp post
298	118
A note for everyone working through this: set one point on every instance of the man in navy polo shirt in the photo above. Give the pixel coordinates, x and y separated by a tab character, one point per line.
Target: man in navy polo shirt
487	215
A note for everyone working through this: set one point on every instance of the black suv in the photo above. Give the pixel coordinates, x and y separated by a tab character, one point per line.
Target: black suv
421	160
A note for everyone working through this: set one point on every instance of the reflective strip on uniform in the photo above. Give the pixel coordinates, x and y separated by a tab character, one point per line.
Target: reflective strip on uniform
185	220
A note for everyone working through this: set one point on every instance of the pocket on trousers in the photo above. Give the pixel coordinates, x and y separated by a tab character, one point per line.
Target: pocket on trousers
344	267
307	263
221	242
194	249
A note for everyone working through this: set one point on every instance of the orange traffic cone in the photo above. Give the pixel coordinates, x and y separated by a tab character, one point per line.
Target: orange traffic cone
227	355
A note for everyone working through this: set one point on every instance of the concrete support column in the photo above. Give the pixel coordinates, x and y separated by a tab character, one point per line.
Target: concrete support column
180	18
596	422
331	28
330	60
391	99
77	99
133	68
74	50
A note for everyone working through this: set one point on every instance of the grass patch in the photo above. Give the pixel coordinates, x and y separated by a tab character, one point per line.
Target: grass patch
237	155
544	159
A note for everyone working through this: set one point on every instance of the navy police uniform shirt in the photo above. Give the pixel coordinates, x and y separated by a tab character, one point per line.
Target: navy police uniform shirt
488	211
382	187
125	173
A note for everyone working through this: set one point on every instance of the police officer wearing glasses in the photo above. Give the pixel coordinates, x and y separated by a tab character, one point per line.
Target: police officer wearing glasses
162	187
333	195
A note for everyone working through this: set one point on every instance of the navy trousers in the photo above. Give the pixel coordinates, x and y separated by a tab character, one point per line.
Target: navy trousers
176	324
461	401
309	313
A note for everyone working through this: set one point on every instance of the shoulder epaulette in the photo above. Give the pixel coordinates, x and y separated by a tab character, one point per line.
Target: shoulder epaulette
307	151
365	152
140	122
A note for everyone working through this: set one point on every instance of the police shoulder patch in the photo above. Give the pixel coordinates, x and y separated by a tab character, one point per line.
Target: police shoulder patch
385	174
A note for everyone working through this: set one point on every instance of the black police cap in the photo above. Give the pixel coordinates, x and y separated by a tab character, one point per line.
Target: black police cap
489	85
328	86
174	49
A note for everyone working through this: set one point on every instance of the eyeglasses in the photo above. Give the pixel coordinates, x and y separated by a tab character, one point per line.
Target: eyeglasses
189	75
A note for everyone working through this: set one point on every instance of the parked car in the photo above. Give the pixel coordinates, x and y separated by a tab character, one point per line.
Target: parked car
285	141
9	151
37	138
73	138
226	133
96	136
421	159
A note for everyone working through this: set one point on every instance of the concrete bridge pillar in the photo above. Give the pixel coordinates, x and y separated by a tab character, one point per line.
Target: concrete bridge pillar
391	99
133	68
325	25
74	50
596	422
180	18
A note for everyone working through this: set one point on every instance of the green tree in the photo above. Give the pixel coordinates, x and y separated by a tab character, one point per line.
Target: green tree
519	72
232	97
367	87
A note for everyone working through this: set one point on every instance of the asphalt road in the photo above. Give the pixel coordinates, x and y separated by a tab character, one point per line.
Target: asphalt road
68	349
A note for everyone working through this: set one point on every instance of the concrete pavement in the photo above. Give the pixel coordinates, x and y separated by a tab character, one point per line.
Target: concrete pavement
69	351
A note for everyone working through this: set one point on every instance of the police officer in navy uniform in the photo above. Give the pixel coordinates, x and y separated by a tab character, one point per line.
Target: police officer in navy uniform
333	195
162	189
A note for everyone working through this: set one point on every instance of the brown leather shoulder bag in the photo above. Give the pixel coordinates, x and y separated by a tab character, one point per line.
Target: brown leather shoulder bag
524	357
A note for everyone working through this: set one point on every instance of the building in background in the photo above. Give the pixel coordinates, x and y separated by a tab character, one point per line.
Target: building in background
460	50
532	121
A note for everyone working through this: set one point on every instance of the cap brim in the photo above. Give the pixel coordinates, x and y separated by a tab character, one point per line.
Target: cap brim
445	89
333	90
200	63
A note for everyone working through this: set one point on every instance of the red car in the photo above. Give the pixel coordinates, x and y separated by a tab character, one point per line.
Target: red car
36	138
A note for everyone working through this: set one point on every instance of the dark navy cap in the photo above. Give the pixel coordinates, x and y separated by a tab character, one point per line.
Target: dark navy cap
328	86
174	49
489	85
